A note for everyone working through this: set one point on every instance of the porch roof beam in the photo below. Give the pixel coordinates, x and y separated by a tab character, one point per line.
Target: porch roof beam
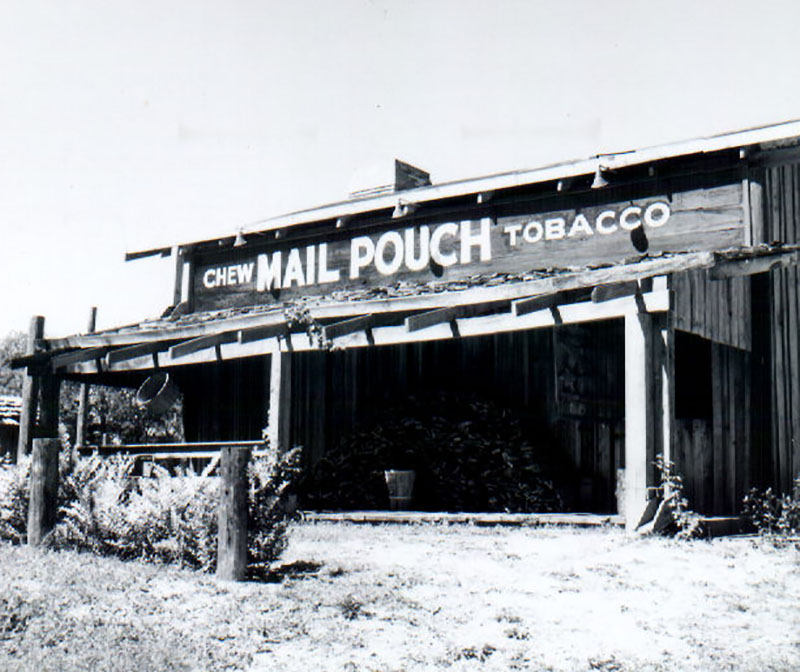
569	313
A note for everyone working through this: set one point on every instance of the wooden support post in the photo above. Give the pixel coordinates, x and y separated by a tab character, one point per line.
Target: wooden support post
50	389
177	295
232	514
280	398
83	398
43	498
30	391
649	408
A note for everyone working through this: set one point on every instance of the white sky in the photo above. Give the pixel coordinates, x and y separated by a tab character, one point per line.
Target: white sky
126	125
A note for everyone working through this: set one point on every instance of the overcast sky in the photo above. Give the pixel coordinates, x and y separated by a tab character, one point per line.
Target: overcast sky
126	125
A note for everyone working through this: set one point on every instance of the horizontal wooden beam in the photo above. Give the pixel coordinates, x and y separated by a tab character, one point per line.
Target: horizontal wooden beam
431	317
474	296
262	333
77	356
201	343
743	267
532	304
349	326
608	292
570	313
133	351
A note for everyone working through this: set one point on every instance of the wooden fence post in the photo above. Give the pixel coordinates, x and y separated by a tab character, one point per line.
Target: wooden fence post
83	399
43	498
30	392
232	514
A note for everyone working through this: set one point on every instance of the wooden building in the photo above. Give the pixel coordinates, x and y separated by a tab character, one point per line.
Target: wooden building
632	304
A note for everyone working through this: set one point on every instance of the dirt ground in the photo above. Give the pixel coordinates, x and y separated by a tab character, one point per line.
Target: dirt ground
360	598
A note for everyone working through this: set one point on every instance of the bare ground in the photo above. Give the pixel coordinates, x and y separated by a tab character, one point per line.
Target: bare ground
421	597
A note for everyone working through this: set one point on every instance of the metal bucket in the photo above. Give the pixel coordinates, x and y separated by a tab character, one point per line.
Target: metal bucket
401	488
158	393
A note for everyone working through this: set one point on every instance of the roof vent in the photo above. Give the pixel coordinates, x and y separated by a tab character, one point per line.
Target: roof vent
405	176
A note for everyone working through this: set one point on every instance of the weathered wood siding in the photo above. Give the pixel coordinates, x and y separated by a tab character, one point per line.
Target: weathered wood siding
782	224
713	437
565	384
719	310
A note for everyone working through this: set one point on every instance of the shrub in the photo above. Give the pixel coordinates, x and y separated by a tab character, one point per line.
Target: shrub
106	509
14	500
469	454
774	516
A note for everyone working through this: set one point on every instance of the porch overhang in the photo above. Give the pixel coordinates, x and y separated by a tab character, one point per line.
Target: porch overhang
486	306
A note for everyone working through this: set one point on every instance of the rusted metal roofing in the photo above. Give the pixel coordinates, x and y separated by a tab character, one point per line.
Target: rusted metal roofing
10	408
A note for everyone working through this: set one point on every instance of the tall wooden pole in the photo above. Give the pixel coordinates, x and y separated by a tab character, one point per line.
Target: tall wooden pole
30	391
83	400
232	514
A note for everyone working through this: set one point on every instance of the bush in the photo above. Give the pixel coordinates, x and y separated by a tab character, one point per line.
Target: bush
106	509
14	500
469	454
774	516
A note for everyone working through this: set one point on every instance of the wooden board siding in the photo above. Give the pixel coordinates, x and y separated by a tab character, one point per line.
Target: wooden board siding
515	370
782	224
719	310
521	236
713	455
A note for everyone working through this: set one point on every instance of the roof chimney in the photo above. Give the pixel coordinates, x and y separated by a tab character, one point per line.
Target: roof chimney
378	180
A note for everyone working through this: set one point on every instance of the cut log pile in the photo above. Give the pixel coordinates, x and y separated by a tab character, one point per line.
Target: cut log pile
468	454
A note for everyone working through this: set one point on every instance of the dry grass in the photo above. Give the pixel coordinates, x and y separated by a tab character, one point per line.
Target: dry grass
358	598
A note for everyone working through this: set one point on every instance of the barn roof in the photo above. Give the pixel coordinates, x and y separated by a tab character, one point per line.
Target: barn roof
785	135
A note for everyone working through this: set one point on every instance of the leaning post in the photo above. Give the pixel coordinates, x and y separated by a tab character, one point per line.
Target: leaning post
43	496
232	514
30	391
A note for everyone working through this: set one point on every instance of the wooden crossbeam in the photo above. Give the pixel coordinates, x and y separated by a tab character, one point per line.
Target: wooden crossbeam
77	356
134	351
261	333
432	317
532	304
201	343
607	292
350	326
744	267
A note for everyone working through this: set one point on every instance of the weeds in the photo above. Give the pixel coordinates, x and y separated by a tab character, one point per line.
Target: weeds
688	524
775	517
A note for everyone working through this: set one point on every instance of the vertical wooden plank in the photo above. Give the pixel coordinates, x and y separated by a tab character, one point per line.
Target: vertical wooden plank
718	427
702	437
793	338
605	466
756	184
734	426
49	392
43	493
640	420
177	293
280	398
83	394
30	391
232	514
